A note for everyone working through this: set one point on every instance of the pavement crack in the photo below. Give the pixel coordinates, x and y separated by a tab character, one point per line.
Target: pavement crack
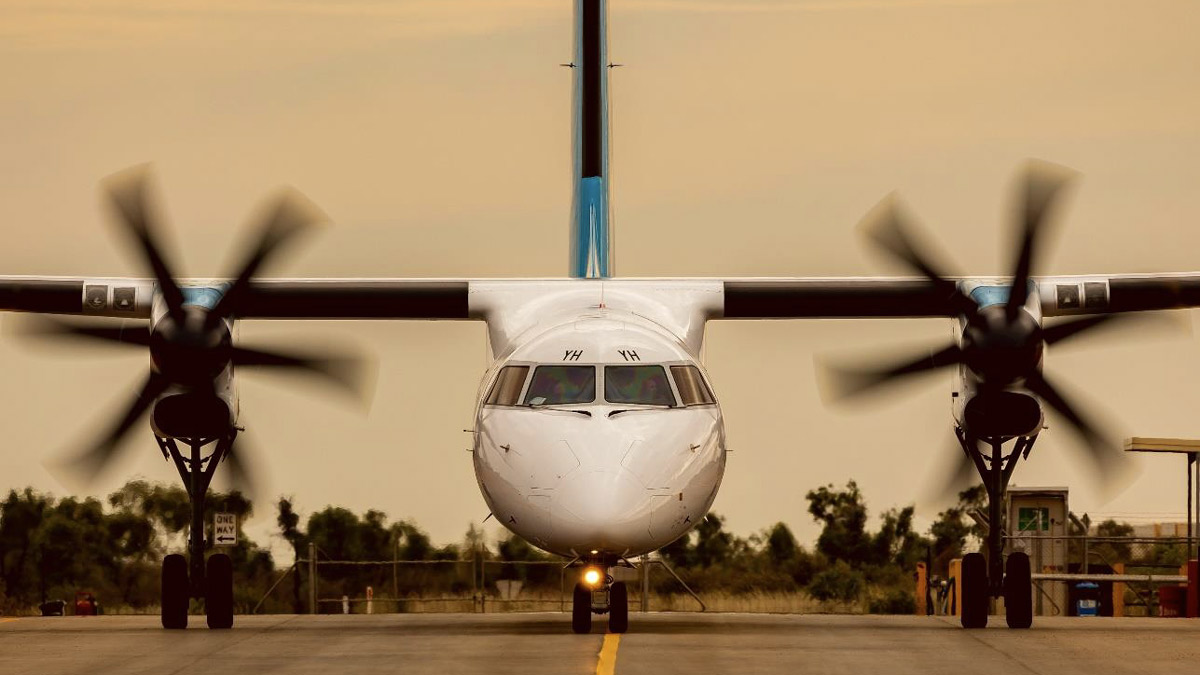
978	637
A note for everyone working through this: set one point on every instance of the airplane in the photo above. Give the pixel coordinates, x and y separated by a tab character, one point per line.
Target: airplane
597	433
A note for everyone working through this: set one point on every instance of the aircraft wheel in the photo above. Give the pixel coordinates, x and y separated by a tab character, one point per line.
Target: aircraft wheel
175	592
218	598
974	602
1018	591
581	609
618	608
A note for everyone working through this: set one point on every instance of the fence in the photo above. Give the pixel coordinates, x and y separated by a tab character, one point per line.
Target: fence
1128	569
322	585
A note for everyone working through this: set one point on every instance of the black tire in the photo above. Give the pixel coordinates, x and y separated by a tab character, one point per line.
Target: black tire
175	592
1018	591
581	609
218	597
974	600
618	608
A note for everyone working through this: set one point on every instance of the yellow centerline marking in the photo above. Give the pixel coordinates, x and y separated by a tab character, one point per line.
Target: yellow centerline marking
6	620
607	663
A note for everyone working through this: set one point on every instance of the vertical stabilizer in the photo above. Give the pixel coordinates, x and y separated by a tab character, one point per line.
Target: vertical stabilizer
590	232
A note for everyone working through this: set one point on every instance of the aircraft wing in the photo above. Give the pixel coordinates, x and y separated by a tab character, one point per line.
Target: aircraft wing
132	298
451	299
880	297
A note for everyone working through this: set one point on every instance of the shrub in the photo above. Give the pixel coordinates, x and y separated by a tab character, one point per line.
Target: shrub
838	582
894	601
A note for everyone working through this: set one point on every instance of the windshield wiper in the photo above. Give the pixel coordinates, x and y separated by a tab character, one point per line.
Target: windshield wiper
577	411
648	406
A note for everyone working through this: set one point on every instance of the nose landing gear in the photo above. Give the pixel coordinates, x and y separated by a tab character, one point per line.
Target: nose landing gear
992	576
597	593
189	577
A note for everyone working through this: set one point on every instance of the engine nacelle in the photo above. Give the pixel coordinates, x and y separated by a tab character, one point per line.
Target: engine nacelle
1003	414
192	415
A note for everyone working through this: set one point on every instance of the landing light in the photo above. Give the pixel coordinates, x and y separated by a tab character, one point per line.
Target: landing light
592	576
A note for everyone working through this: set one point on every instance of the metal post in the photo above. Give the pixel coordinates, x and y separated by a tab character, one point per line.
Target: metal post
396	572
645	583
196	489
1191	461
482	581
995	490
1037	563
312	578
1191	458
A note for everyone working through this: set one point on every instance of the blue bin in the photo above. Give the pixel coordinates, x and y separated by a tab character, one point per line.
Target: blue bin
1087	599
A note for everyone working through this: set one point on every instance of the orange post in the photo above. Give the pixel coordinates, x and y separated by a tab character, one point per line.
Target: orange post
1118	591
1193	589
956	579
922	589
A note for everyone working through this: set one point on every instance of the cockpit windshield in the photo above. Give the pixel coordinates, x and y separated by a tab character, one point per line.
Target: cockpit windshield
637	385
562	385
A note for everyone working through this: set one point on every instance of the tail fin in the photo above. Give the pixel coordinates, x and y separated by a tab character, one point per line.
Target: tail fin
590	234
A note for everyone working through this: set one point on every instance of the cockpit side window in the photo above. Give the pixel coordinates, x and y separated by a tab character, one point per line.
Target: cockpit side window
562	385
638	385
507	389
692	388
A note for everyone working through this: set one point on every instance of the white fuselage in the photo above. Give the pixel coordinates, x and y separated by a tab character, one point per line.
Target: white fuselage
597	433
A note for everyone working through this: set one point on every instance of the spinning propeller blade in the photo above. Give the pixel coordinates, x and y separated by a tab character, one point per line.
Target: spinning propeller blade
889	228
128	192
43	327
290	215
841	383
241	478
190	354
351	374
92	461
1002	350
954	473
1110	463
1043	182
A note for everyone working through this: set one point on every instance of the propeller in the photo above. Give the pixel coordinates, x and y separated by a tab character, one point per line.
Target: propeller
1002	343
191	344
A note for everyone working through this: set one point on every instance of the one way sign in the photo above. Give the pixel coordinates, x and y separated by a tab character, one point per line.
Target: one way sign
224	529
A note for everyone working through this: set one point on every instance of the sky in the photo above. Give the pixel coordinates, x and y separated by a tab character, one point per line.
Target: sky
750	137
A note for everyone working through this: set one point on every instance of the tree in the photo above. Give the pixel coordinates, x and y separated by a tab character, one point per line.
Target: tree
678	552
781	544
713	544
844	517
896	543
416	543
1113	551
953	528
21	516
289	526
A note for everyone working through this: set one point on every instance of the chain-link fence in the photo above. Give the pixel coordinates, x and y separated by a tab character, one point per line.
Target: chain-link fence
1128	571
317	584
320	585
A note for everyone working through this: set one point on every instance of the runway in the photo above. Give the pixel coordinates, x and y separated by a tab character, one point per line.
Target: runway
535	644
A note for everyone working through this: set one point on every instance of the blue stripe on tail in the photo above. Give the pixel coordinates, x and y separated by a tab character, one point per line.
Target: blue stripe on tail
590	233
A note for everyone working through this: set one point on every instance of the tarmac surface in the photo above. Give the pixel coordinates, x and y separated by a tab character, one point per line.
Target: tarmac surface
543	643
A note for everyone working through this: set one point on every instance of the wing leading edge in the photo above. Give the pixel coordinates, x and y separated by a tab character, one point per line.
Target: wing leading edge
441	299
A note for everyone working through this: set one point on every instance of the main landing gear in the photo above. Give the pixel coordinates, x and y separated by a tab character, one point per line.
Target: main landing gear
191	577
597	593
984	578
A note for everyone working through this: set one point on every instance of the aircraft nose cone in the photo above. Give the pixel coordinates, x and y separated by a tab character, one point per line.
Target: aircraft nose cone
603	509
